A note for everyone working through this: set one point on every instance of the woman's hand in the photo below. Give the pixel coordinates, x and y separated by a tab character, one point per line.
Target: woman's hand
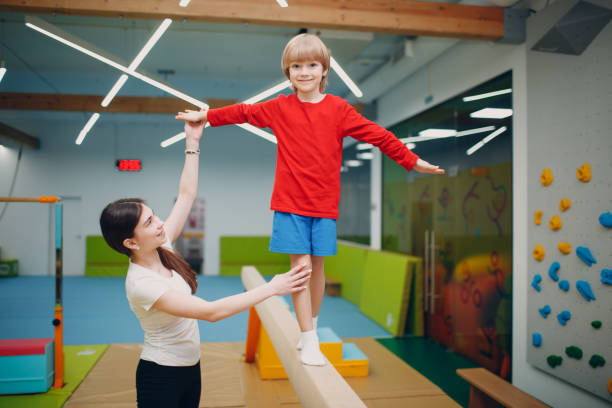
193	130
424	167
291	282
193	116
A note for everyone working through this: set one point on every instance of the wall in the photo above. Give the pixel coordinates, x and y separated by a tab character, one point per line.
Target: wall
236	176
471	63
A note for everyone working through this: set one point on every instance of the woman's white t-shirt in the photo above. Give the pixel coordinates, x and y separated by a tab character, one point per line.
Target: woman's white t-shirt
169	340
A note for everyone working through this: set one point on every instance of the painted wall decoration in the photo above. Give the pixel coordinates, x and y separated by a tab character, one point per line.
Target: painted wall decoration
574	284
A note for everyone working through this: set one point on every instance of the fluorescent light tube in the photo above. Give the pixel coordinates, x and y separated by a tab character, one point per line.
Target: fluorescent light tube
474	131
491	113
486	140
365	156
114	90
487	95
411	145
347	80
92	120
282	3
353	163
268	92
184	3
2	72
363	146
173	139
438	133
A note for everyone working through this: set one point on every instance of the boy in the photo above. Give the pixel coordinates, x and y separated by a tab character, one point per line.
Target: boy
309	127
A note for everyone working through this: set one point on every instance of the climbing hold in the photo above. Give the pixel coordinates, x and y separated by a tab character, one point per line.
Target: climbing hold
555	223
565	247
585	290
610	386
554	361
585	255
563	317
544	311
564	285
536	282
597	361
536	339
596	324
605	219
584	173
564	204
606	276
552	271
538	217
546	177
538	252
574	352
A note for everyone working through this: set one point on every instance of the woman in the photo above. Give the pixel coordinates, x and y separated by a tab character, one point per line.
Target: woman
160	288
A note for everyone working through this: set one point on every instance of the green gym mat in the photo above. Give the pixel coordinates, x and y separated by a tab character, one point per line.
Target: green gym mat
78	361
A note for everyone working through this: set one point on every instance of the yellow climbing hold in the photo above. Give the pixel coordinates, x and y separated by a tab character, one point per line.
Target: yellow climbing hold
538	252
547	177
584	173
555	223
538	217
565	247
564	204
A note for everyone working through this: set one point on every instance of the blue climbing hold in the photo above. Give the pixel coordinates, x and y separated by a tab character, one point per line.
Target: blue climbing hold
605	219
585	290
563	317
585	255
606	276
536	282
536	339
564	285
552	271
544	311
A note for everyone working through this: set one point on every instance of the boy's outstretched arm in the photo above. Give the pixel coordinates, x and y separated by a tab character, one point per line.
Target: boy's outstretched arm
424	167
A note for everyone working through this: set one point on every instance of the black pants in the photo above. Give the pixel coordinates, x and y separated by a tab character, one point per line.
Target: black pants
167	387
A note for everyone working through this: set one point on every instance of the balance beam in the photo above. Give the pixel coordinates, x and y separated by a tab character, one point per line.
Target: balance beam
316	387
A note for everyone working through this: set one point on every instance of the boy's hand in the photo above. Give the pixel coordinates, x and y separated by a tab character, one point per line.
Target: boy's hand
424	167
291	282
192	116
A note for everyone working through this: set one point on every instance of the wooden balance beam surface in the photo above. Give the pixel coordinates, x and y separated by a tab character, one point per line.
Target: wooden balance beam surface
487	388
316	387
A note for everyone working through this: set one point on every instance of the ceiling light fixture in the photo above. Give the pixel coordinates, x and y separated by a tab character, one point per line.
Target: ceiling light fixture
437	133
363	146
92	120
486	140
410	145
487	95
491	113
184	3
2	72
365	156
282	3
268	92
347	80
353	163
474	131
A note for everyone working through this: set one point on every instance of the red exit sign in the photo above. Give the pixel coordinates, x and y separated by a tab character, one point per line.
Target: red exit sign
129	165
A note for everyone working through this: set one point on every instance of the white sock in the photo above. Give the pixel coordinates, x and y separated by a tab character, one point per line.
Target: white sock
311	354
300	344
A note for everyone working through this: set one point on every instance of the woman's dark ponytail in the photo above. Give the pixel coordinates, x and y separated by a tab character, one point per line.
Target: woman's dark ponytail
174	261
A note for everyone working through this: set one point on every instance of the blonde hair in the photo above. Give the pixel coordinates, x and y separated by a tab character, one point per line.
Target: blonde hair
306	47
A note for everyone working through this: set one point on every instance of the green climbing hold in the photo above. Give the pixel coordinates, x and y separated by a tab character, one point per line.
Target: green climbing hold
596	324
554	361
597	361
574	352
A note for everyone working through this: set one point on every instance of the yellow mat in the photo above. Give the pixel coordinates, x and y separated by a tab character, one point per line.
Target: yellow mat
229	382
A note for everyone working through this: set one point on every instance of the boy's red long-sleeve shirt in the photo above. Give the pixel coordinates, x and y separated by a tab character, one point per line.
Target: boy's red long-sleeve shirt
309	154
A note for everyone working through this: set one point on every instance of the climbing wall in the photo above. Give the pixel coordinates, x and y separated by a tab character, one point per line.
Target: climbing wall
570	272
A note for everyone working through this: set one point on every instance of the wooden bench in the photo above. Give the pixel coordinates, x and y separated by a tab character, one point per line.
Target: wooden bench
488	391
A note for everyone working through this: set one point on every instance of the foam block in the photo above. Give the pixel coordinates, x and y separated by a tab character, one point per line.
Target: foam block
535	283
552	271
544	311
605	219
564	317
536	339
584	288
564	285
585	255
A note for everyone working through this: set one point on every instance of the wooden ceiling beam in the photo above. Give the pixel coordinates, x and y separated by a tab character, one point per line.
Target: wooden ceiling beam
17	136
406	17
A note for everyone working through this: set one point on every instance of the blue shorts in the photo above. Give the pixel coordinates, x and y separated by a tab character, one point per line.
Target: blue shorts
300	234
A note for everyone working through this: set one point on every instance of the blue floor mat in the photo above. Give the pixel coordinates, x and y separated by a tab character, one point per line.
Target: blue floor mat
96	311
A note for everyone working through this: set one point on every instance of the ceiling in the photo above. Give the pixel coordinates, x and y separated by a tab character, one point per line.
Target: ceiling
205	60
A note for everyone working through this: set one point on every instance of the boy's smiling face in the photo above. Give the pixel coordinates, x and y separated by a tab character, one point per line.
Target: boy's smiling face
306	76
